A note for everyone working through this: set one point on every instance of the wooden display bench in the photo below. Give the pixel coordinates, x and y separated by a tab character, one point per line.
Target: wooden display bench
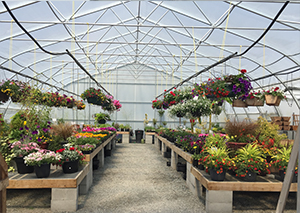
149	137
64	187
175	151
219	194
125	136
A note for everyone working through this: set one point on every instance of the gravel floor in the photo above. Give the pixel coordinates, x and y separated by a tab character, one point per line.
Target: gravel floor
136	179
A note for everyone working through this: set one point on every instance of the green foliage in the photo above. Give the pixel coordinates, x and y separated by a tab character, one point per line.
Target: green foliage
6	152
101	116
269	130
215	140
281	159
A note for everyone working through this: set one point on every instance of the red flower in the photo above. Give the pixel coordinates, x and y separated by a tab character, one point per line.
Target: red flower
277	88
243	71
72	148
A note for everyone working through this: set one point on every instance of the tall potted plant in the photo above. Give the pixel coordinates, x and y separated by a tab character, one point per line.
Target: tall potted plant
101	118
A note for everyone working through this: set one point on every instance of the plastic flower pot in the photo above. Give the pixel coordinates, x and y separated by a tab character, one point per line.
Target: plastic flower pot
217	176
70	166
42	171
22	167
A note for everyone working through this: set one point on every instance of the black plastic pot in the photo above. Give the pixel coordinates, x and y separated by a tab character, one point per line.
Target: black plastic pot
139	135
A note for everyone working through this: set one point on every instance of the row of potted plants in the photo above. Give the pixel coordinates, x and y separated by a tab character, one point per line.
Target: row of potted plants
20	91
248	149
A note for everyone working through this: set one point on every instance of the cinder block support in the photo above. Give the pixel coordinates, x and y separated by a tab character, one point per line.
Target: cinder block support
64	199
125	138
156	142
193	184
174	159
108	146
148	139
163	148
113	143
218	201
101	158
87	182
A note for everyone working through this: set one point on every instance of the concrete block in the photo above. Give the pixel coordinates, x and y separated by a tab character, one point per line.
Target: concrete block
163	148
199	187
174	159
64	193
87	181
219	196
101	158
64	205
113	143
148	139
108	146
125	138
218	207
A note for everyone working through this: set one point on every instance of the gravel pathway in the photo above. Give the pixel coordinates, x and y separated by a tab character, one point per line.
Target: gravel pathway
136	179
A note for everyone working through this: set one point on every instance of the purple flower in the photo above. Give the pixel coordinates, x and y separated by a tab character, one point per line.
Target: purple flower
26	128
21	128
30	138
45	129
49	122
38	126
35	132
39	139
238	90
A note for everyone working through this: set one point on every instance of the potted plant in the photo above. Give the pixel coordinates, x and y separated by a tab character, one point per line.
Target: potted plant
117	126
70	159
240	133
94	96
86	148
281	161
157	104
274	96
249	162
198	106
41	161
177	110
20	150
101	118
217	161
62	130
80	105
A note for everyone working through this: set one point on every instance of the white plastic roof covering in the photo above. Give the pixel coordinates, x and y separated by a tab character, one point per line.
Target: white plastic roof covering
162	35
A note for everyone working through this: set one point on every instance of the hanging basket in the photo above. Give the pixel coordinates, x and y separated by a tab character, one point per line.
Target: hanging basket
3	97
254	102
250	102
239	103
259	102
272	100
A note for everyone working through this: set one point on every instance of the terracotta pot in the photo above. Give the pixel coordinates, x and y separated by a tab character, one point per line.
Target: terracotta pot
239	103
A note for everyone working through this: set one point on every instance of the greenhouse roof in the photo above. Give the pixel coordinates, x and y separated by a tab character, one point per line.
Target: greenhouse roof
177	38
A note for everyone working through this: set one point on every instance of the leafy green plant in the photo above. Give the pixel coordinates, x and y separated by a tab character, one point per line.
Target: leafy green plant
102	116
217	159
269	130
281	159
249	159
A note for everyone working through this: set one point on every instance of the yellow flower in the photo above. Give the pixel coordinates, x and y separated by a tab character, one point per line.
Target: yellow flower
25	123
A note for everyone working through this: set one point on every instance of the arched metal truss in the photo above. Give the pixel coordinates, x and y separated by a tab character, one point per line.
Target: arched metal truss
174	38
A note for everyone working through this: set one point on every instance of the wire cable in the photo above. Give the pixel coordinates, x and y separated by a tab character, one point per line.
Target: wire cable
51	53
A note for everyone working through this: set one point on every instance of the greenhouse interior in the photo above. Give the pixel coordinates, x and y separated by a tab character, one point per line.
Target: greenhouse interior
149	106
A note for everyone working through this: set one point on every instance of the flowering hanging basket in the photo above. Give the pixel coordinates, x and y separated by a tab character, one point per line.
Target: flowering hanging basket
254	102
3	97
272	100
239	103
